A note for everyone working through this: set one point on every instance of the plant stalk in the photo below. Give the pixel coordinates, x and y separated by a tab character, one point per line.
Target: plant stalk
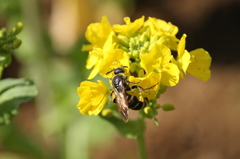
141	146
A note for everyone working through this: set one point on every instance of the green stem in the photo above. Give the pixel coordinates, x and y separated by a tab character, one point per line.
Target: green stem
141	146
141	140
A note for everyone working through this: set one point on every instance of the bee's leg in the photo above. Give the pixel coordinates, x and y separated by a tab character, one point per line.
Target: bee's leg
143	89
128	82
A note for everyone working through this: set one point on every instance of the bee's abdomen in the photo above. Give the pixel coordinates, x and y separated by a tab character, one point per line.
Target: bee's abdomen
135	104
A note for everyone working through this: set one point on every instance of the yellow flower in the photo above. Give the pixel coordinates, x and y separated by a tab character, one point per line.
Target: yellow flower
97	56
97	34
200	64
130	28
93	97
165	31
160	26
158	61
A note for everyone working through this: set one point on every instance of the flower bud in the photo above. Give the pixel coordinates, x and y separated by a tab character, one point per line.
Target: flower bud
167	107
5	47
3	33
124	40
6	118
141	73
135	54
133	67
14	112
17	29
16	43
156	106
107	113
131	45
143	38
147	110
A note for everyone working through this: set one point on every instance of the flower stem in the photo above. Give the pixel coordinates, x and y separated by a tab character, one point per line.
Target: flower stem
141	140
141	146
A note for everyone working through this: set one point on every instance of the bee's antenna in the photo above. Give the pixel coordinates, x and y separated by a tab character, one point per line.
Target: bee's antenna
109	71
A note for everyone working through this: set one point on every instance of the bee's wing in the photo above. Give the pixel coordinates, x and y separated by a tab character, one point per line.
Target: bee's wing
122	103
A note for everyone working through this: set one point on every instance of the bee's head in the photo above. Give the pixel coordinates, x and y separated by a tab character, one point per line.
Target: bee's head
118	71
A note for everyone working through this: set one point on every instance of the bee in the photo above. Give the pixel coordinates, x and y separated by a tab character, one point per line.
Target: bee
124	100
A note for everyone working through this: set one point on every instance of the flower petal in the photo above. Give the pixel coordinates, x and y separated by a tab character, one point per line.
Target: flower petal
170	75
200	64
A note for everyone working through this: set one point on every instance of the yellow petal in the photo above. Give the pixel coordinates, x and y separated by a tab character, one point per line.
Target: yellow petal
95	59
129	29
181	45
159	55
184	61
97	33
113	59
148	86
170	75
200	64
95	70
158	26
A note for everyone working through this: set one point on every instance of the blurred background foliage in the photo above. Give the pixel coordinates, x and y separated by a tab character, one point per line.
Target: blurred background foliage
50	126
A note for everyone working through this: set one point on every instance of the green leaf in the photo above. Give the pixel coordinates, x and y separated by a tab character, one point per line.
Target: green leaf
12	93
131	129
168	107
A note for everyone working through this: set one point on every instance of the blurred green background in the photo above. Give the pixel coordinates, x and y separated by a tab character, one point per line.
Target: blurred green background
50	126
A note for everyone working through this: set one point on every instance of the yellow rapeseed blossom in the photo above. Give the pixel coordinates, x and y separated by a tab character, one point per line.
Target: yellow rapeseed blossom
93	97
146	51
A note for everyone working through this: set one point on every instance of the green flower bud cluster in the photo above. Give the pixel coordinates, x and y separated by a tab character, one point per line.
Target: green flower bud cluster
136	45
142	42
9	42
5	118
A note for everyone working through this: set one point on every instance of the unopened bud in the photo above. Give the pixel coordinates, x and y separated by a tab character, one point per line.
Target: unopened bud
17	43
107	113
141	73
133	67
3	33
156	106
124	40
17	29
167	107
143	38
5	47
147	110
14	112
135	54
